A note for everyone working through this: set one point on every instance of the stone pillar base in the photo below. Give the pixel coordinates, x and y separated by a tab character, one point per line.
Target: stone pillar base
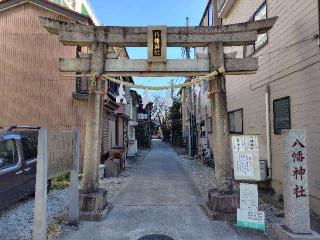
284	233
94	206
222	206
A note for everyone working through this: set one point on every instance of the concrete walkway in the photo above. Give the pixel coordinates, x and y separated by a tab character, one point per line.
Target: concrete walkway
160	199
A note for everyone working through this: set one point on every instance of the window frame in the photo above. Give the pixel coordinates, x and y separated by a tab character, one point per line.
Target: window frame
33	138
255	49
209	124
274	116
254	15
80	81
210	14
13	166
202	125
232	112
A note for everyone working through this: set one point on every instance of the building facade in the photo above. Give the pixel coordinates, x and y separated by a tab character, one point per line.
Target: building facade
285	91
33	91
80	6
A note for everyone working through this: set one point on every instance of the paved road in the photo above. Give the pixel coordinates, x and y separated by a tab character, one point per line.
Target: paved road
160	199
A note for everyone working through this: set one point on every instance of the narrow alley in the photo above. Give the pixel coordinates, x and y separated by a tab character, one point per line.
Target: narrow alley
160	199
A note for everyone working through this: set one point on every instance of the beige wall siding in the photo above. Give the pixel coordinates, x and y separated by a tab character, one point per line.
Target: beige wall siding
32	90
293	72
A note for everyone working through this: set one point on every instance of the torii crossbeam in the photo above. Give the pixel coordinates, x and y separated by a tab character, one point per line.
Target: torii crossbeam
230	35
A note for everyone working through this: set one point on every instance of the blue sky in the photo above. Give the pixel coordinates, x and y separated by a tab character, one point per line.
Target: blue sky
149	12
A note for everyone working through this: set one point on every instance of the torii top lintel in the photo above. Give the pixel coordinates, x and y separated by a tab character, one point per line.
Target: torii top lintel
231	35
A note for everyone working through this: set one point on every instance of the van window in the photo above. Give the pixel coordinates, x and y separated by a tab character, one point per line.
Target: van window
29	146
8	153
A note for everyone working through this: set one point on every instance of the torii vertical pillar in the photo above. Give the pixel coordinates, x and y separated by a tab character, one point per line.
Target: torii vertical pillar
93	200
222	201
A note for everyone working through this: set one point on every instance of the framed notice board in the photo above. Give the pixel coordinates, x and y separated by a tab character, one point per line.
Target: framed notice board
281	115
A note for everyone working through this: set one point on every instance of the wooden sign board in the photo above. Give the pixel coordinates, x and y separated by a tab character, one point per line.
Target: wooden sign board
60	154
157	44
245	150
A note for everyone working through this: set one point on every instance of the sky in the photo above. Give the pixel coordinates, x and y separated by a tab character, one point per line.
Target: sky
149	12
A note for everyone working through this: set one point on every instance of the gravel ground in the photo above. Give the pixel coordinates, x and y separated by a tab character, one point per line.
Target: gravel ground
204	178
16	222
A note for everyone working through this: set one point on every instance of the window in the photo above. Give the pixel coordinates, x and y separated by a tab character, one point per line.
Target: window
209	124
84	11
262	39
113	87
281	115
81	82
8	153
210	15
202	129
29	147
236	121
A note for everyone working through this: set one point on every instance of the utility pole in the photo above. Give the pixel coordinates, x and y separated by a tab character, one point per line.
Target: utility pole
187	51
172	91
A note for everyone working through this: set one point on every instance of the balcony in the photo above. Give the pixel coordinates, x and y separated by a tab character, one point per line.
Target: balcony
224	7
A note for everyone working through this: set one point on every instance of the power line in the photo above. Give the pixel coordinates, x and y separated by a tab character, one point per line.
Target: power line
307	40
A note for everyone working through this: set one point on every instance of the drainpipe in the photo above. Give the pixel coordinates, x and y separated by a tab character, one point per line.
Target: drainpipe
268	130
190	121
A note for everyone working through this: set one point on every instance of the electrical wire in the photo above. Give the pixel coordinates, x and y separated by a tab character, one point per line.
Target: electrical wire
307	40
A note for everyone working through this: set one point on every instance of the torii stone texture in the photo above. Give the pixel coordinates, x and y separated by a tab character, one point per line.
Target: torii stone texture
93	140
231	35
221	141
173	67
93	200
222	202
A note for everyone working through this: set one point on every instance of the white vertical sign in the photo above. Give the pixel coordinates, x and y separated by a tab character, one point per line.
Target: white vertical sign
248	215
245	151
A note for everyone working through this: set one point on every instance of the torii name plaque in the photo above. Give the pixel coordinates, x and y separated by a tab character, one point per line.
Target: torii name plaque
157	44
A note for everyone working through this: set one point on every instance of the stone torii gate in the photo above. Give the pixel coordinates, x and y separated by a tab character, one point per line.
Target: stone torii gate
93	201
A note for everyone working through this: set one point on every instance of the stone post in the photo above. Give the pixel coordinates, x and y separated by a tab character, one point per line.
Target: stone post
222	202
92	148
93	200
74	181
220	129
40	201
296	189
